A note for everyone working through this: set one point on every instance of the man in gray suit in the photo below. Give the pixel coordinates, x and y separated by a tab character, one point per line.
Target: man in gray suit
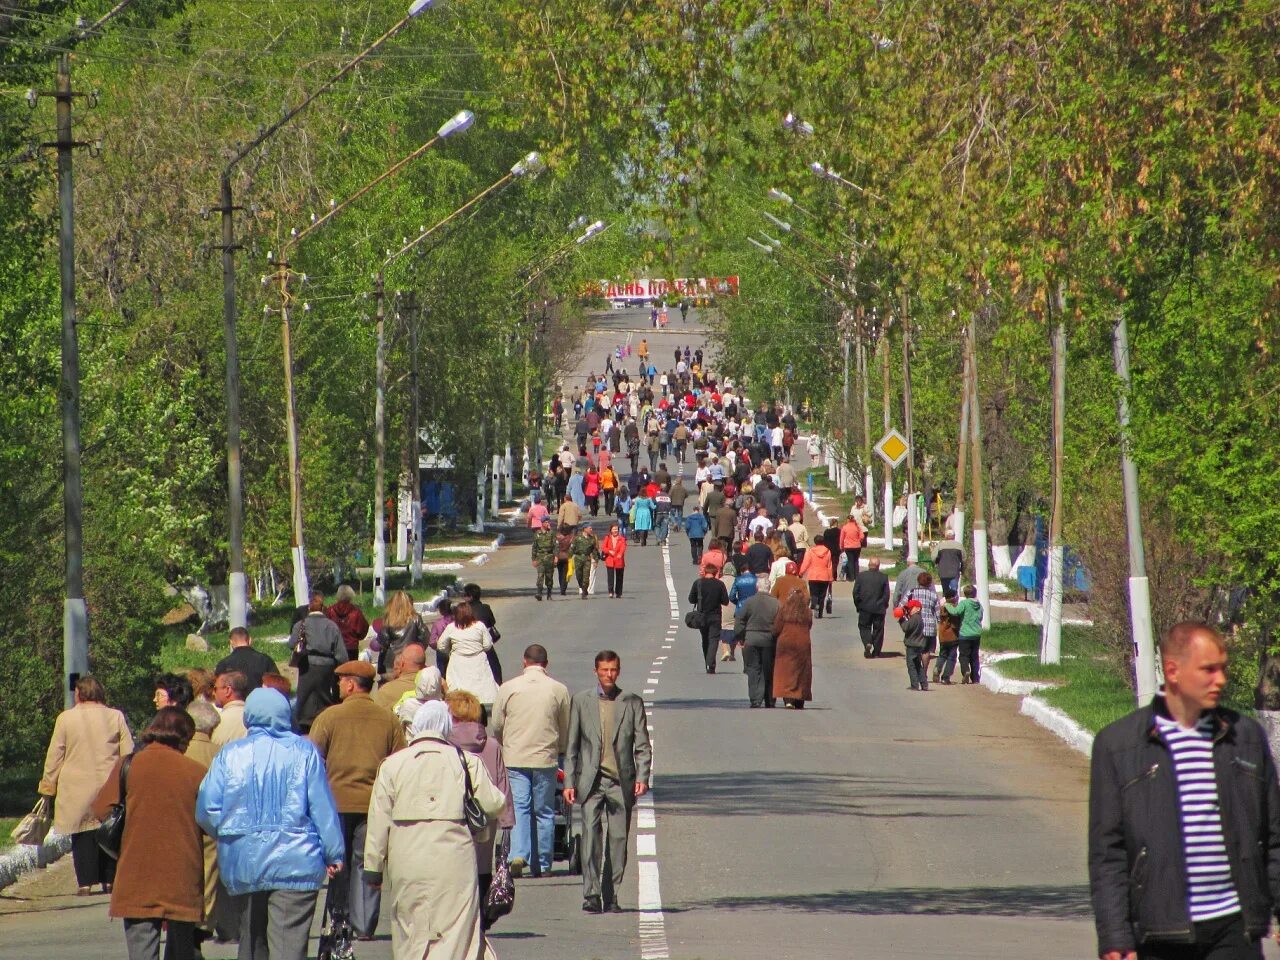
606	767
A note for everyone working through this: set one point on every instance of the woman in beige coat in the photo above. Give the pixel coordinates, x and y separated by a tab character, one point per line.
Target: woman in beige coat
87	741
417	835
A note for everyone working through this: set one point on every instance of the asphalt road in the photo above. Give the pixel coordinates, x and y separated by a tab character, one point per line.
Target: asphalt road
879	822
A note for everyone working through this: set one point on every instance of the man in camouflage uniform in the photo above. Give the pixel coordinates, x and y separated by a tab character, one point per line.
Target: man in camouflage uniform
544	557
585	550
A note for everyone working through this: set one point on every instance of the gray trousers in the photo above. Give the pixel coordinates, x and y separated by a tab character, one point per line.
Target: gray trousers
142	939
606	827
348	891
276	924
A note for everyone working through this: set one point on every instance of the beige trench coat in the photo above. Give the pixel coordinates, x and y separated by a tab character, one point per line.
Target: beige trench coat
417	838
87	741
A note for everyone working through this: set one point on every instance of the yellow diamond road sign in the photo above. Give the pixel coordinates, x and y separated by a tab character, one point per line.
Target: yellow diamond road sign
892	448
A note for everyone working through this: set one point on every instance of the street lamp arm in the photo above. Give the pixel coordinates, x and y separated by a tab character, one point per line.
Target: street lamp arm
496	185
82	32
270	131
338	208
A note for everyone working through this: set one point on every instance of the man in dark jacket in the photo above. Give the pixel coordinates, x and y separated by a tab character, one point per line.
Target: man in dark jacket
1184	818
871	600
753	625
243	658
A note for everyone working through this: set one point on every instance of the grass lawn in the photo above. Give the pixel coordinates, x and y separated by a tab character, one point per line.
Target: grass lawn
1090	687
276	621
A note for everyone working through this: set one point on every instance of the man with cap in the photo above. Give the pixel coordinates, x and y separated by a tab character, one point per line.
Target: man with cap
544	558
354	737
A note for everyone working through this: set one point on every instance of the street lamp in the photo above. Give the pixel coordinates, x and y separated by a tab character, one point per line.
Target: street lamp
828	174
458	123
238	599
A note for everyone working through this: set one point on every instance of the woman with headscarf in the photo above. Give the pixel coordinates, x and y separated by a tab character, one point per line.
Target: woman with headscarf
418	842
467	643
469	734
793	661
350	620
87	741
427	685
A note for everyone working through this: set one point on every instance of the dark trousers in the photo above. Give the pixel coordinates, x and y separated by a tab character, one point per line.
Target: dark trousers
758	664
1221	939
614	578
946	662
317	690
91	864
710	642
347	891
871	628
608	501
593	504
851	555
276	924
142	939
970	668
562	570
818	596
695	548
916	672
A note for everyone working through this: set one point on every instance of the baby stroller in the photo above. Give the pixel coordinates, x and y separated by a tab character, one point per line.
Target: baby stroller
568	838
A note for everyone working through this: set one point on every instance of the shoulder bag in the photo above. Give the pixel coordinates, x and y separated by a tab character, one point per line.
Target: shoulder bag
110	833
477	819
298	659
693	619
501	898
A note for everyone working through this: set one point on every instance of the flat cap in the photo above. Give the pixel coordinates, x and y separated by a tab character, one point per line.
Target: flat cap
357	668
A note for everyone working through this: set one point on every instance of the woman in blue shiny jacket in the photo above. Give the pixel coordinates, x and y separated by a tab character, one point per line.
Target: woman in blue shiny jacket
266	800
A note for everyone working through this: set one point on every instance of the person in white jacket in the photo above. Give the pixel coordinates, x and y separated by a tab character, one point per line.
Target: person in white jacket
467	641
418	842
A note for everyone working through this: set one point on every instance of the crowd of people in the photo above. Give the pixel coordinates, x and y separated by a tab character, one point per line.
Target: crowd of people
360	779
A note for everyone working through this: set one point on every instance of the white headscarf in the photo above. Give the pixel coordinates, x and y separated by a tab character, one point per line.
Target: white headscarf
428	686
432	717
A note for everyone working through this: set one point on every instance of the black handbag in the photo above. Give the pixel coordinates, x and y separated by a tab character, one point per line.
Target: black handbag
299	659
110	833
336	936
501	898
472	812
693	620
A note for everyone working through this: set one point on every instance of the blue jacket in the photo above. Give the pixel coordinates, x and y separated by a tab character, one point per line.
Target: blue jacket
743	589
575	490
695	524
266	800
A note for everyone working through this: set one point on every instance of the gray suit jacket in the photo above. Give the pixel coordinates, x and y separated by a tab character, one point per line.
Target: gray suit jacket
630	743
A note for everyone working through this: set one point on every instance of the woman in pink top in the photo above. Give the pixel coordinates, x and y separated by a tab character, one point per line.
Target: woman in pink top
537	513
715	556
816	570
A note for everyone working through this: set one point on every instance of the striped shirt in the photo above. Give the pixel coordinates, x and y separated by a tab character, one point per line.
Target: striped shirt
1210	890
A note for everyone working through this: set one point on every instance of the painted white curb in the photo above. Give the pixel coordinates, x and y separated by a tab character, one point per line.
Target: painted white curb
1051	718
22	860
1059	724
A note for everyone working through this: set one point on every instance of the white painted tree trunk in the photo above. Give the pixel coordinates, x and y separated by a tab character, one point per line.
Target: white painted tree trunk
1051	623
980	566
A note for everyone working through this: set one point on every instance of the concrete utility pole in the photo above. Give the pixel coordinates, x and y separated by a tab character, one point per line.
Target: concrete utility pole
301	585
1051	632
963	450
980	550
415	457
75	618
867	490
1144	648
911	528
380	447
888	403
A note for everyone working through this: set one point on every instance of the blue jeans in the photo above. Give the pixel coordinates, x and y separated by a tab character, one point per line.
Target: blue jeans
662	527
533	793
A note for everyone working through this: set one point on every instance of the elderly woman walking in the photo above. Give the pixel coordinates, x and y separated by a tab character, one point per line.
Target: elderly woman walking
87	741
469	734
793	662
419	844
159	789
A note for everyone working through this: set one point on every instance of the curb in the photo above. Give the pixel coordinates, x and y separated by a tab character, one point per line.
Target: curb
1049	717
22	860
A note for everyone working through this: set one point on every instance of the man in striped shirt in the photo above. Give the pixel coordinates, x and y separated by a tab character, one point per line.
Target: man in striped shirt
1184	818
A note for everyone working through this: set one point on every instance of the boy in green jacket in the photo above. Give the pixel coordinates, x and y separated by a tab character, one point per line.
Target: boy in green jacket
969	610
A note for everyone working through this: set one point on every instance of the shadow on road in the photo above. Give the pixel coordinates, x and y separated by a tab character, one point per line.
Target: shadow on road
1042	902
791	793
